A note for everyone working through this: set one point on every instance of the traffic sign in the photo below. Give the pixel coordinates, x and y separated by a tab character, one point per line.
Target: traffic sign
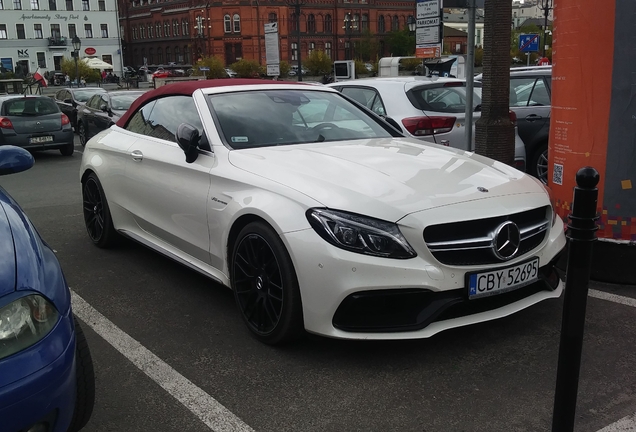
529	42
204	68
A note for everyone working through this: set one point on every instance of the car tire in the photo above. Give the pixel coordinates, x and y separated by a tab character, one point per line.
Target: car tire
85	381
539	163
265	285
82	132
68	149
97	218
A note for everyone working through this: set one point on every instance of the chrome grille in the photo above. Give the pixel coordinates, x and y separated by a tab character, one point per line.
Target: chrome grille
471	242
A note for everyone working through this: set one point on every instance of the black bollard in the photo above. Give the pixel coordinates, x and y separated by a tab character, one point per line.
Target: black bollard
581	236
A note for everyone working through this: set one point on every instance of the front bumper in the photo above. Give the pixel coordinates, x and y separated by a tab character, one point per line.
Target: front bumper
428	297
42	387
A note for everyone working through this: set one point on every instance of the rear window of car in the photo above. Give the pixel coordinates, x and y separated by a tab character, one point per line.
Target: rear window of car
29	107
443	98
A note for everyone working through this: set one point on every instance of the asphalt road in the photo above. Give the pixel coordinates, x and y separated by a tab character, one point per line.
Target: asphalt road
497	376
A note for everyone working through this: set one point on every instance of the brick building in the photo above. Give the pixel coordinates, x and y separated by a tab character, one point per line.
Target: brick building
183	30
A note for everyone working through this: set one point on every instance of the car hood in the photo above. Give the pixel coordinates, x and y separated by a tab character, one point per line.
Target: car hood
387	178
26	262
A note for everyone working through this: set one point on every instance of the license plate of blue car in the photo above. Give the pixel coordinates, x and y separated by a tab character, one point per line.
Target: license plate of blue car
502	280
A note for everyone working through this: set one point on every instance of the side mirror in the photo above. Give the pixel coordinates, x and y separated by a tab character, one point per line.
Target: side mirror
188	139
103	107
14	160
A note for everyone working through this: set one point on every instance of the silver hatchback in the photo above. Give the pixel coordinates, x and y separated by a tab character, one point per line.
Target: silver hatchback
428	108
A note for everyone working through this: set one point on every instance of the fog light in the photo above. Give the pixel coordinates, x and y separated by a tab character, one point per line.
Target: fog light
39	427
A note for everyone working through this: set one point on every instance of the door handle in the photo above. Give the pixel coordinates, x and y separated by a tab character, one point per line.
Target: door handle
533	117
137	155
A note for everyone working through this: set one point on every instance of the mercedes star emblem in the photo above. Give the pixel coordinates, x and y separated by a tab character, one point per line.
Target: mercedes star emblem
506	240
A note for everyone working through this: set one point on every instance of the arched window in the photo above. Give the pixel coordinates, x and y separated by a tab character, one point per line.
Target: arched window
142	32
328	24
237	23
395	24
158	29
175	27
168	55
177	55
356	22
293	24
184	27
272	17
151	56
186	55
381	28
227	23
150	31
328	49
159	56
312	47
136	56
166	29
311	23
365	21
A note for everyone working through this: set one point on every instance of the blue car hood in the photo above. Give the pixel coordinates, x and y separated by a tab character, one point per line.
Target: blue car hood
26	262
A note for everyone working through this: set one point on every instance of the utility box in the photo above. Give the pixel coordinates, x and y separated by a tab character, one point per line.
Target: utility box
344	70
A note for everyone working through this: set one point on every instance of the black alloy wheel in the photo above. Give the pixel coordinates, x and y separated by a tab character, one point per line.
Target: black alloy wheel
265	285
99	224
82	133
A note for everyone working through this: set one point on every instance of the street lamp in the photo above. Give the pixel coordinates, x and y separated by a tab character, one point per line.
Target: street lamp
77	44
546	6
410	21
297	4
350	24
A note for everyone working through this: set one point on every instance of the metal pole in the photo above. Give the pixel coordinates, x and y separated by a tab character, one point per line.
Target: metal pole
470	74
546	11
581	235
76	69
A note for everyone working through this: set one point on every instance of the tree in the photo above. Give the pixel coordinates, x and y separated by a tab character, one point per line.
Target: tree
284	68
368	47
401	42
495	132
245	68
68	67
318	63
215	64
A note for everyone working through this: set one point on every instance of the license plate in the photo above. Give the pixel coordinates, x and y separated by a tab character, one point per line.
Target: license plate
502	280
40	139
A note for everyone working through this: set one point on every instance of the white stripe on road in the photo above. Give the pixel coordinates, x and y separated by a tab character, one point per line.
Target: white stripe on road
627	301
205	407
626	424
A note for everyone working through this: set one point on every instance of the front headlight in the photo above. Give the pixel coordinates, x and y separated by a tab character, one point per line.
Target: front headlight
24	322
360	234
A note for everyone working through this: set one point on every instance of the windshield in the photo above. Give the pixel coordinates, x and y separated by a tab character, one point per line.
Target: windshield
30	107
281	117
84	95
444	99
122	102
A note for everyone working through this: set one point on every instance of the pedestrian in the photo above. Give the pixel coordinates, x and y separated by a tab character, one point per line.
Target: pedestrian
103	75
67	80
82	82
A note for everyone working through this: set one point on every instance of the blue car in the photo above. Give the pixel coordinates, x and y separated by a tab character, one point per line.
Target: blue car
47	382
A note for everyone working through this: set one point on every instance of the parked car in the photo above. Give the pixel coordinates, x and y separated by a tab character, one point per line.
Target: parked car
230	73
530	95
47	381
102	111
318	214
35	123
69	99
161	73
426	108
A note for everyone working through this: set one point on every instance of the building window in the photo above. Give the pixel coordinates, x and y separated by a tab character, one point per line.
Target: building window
365	21
177	55
37	31
142	32
104	28
88	30
381	23
168	56
107	58
166	29
293	23
52	5
184	27
150	34
101	5
227	24
237	23
312	46
311	23
35	5
86	5
71	31
272	17
151	56
19	28
41	60
17	4
69	5
144	59
328	49
395	23
294	51
186	54
3	31
159	56
328	24
158	29
175	28
354	25
56	33
134	32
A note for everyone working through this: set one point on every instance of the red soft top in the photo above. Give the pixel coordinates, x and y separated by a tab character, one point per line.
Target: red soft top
186	88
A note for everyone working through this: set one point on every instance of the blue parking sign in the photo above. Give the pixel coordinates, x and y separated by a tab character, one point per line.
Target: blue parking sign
529	42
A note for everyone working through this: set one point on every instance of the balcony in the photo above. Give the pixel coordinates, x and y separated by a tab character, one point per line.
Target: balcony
57	42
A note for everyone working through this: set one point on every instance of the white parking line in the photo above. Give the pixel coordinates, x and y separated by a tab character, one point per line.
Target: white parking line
627	301
626	424
205	407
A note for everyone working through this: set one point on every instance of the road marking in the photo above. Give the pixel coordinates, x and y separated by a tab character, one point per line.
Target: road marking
626	424
627	301
205	407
